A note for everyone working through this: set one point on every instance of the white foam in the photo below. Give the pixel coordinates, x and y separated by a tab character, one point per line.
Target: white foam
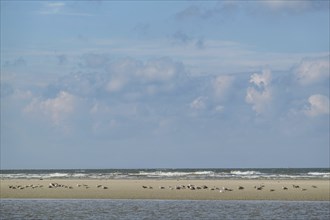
245	173
174	174
320	174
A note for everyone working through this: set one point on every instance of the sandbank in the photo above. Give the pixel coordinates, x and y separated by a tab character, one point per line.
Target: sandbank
290	190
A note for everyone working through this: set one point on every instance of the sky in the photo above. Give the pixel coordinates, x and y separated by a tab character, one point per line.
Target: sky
164	84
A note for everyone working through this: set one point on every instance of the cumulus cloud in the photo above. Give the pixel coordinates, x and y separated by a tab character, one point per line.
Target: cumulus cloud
318	105
162	69
221	84
149	76
116	84
259	95
261	80
99	73
312	70
199	103
57	109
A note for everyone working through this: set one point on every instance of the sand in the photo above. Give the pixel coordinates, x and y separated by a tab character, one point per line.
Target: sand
305	190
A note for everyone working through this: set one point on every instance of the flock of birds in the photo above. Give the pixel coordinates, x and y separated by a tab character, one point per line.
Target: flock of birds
222	189
178	187
53	185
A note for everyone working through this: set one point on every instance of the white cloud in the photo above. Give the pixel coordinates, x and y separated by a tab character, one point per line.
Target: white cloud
261	96
162	69
312	70
57	109
219	108
284	4
198	103
261	80
257	99
116	84
152	76
318	105
59	8
295	6
52	8
221	84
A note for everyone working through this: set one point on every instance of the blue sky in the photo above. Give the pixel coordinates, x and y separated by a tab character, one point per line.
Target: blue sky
141	84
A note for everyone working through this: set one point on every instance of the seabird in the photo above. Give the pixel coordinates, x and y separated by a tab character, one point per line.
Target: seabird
53	184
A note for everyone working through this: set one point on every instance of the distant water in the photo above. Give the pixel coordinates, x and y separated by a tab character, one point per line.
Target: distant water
161	209
301	173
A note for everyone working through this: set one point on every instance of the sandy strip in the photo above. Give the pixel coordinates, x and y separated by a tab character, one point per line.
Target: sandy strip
304	190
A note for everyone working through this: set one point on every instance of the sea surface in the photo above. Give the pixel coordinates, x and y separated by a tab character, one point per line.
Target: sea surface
161	209
235	173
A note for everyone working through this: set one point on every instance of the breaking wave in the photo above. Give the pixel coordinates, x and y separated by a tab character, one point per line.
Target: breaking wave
312	173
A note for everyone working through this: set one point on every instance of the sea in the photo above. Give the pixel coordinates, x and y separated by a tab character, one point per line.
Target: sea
164	209
211	173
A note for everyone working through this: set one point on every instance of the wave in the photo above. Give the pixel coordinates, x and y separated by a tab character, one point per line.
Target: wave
320	174
237	172
58	175
169	174
174	174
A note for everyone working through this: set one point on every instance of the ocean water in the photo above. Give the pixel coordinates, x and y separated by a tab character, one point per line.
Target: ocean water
289	173
161	209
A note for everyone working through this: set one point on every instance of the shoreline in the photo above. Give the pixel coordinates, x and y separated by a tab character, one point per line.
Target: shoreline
162	189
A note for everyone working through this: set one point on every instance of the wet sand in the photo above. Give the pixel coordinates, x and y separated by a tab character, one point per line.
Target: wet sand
291	190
